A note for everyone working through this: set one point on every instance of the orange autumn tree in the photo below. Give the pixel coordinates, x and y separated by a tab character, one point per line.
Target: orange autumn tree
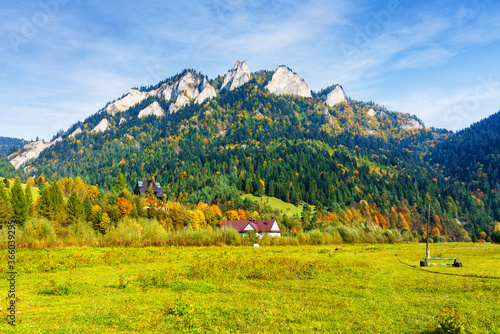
124	206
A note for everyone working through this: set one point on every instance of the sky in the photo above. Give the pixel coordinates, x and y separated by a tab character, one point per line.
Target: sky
63	60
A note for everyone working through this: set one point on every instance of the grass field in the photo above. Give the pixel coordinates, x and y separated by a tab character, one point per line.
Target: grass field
288	208
360	289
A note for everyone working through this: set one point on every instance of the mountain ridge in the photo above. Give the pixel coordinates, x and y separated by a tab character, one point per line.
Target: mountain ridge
347	156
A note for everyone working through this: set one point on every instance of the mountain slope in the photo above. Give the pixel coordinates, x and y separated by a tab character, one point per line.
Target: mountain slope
472	157
349	157
8	144
6	169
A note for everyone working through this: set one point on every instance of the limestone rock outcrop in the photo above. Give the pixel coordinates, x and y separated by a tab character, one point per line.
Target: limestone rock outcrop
74	133
371	112
335	96
412	124
133	97
189	85
153	109
285	82
102	126
181	101
31	151
207	92
237	77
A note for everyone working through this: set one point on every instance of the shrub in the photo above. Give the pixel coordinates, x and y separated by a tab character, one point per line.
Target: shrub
84	232
38	232
346	234
152	231
127	232
315	237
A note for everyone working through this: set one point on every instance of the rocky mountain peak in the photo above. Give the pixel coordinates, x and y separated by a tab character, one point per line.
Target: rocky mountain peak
285	82
237	77
337	95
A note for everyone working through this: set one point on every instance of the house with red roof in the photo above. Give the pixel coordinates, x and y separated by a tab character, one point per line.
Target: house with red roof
260	226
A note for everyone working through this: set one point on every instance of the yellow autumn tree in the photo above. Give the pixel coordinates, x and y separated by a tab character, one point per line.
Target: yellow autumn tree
197	219
232	215
30	181
93	193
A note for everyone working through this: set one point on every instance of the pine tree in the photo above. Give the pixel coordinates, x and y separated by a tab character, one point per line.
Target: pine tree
43	207
87	206
5	206
74	207
18	201
29	199
306	212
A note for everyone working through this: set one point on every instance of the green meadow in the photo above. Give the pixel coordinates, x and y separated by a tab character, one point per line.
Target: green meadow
361	288
287	208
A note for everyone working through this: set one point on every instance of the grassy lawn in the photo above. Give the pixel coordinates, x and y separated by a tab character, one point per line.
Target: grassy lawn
360	289
278	204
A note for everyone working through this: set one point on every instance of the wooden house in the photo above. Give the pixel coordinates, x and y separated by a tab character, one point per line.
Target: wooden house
260	226
141	188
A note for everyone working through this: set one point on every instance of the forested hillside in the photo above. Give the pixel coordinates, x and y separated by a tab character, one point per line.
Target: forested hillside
6	169
472	157
353	159
10	144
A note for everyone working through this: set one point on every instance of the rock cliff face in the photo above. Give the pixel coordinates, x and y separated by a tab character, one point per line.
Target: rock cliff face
237	77
102	126
373	113
285	82
207	92
190	85
77	131
133	97
335	96
412	124
32	151
181	101
153	109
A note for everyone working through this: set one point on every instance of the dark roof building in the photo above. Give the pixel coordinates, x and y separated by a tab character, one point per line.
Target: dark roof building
260	226
141	188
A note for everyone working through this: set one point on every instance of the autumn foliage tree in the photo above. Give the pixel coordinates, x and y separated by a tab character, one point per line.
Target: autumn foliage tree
124	206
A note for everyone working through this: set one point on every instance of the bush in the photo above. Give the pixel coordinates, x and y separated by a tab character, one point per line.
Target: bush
38	232
346	234
336	238
315	237
127	232
83	233
152	231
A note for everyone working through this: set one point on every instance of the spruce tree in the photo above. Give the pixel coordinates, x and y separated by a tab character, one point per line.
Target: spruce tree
43	206
18	201
29	199
87	205
5	206
74	208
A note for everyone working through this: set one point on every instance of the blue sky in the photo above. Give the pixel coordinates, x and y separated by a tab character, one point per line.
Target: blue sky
62	60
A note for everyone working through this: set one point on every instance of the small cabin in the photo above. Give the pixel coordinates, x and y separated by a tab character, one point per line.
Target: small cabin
260	226
141	188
